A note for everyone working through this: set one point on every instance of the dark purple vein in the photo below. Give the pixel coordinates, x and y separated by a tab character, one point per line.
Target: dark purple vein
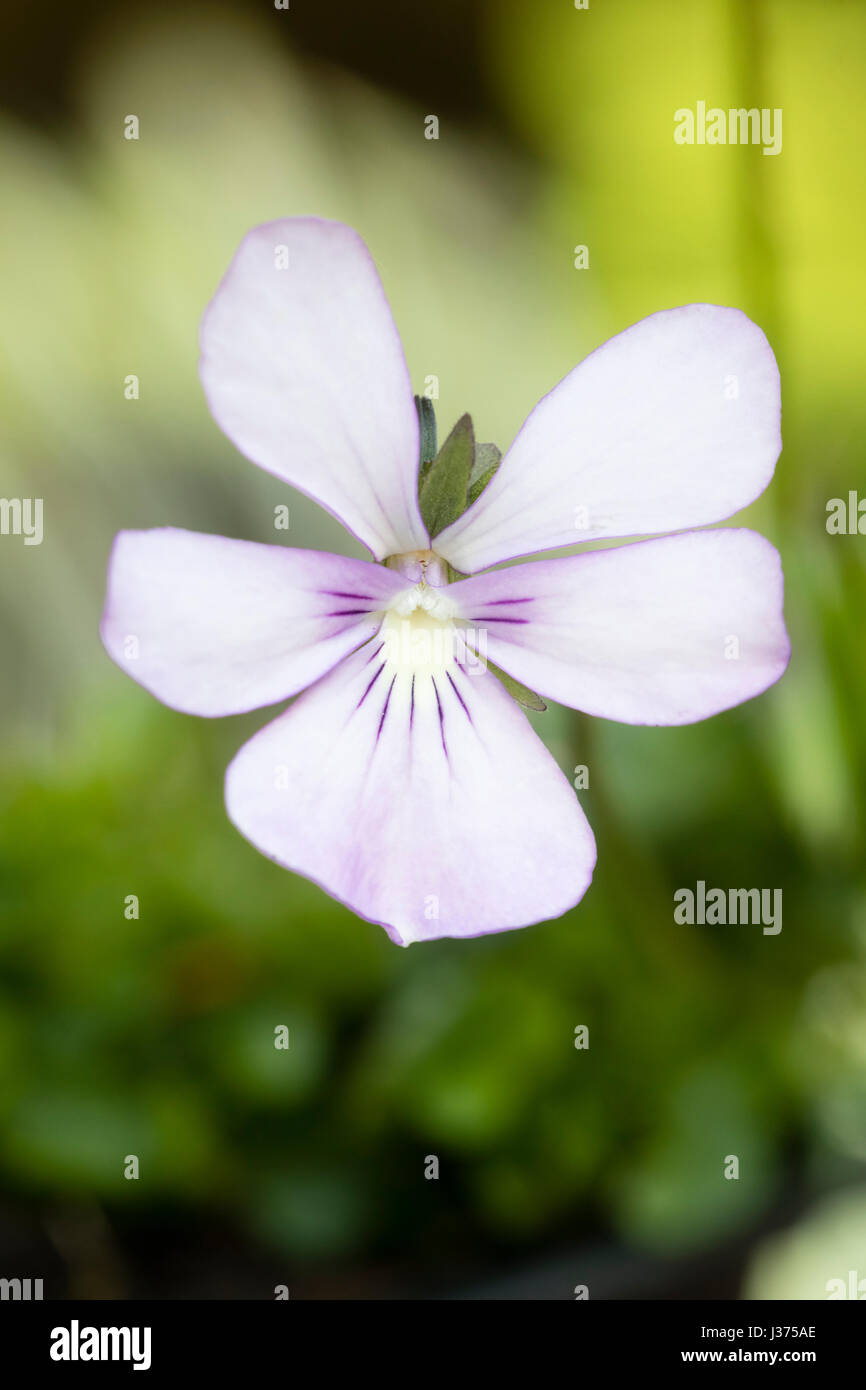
338	593
493	618
385	706
370	686
441	717
459	697
495	602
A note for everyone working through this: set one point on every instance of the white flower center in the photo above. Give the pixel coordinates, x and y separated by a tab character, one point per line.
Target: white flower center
426	599
418	631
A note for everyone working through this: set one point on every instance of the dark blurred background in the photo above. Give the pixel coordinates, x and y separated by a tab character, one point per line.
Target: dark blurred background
154	1036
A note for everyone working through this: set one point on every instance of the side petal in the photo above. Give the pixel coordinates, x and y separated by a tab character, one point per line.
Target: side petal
213	626
660	632
417	794
672	424
303	369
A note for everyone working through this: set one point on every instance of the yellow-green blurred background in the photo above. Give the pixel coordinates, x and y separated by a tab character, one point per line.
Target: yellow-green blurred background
155	1037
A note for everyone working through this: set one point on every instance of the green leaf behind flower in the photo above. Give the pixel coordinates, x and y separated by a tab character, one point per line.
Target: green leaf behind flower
487	460
444	487
426	433
521	693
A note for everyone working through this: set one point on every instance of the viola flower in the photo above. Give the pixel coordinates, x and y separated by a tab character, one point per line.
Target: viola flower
405	779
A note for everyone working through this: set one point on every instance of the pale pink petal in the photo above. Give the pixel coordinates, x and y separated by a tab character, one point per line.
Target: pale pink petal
672	424
417	794
303	369
214	626
660	632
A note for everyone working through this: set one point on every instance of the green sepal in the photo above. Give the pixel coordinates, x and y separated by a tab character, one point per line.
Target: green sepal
426	433
521	693
444	486
487	460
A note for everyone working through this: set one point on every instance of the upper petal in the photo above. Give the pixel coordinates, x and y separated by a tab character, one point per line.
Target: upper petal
303	369
665	631
673	423
418	794
214	626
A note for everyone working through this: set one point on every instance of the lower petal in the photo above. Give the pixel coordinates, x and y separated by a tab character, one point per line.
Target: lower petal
416	792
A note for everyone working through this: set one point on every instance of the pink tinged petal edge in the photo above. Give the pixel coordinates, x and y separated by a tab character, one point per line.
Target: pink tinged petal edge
640	633
213	626
405	799
674	423
303	369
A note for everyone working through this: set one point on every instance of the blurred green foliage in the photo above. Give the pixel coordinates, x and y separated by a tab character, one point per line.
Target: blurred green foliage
155	1036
